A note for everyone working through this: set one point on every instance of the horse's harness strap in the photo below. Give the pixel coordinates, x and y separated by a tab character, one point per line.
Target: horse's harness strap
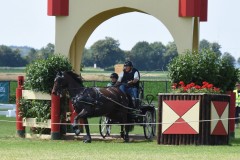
119	104
91	101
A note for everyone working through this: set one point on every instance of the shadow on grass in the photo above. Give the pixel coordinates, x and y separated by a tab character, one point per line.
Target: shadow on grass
111	139
235	142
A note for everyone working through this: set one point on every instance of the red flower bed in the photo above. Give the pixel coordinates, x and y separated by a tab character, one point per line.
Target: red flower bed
206	87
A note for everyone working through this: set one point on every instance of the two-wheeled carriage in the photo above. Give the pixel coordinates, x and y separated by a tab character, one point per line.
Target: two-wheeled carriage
144	115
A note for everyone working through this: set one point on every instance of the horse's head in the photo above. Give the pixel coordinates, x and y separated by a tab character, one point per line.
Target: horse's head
60	83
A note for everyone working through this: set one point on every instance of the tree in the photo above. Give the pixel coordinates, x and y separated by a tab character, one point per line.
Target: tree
157	60
87	59
140	55
11	58
47	51
32	55
204	44
215	47
106	53
238	61
171	52
229	58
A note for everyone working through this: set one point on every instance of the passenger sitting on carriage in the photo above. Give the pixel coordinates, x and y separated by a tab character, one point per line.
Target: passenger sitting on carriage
129	82
114	78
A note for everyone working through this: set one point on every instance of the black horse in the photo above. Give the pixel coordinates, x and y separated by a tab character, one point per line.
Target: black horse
93	102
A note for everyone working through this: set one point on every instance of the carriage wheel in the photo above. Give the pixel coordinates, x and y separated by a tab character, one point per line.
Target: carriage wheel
104	128
154	122
148	126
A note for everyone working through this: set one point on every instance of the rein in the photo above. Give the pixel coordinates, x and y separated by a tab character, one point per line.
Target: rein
119	103
110	99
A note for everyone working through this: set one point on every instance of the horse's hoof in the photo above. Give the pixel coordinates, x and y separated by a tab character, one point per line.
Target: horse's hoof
87	141
126	140
75	127
77	132
122	134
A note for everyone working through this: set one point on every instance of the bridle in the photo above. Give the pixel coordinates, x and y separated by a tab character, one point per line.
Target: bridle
58	86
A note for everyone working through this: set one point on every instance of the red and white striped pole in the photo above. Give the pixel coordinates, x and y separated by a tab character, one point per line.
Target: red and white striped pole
19	125
55	117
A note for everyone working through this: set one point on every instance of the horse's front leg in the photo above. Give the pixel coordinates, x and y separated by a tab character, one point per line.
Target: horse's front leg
76	121
88	137
75	124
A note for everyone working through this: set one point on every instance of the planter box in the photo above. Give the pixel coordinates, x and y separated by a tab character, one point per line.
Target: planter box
200	119
32	122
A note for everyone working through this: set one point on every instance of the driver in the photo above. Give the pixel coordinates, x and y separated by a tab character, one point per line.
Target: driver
129	81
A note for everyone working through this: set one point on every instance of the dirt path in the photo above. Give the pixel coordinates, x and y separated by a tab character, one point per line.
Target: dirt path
10	76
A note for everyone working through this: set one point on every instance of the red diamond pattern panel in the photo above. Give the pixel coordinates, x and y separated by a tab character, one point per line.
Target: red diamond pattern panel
219	116
180	117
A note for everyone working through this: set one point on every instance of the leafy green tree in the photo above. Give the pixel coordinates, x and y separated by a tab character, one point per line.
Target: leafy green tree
171	52
11	58
204	44
228	57
47	51
87	59
32	55
238	61
156	56
153	56
106	53
140	55
215	47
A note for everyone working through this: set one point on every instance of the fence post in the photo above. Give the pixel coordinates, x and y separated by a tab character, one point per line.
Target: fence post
166	86
55	117
232	110
19	125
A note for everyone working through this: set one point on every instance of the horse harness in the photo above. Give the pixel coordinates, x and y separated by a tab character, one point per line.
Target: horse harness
94	102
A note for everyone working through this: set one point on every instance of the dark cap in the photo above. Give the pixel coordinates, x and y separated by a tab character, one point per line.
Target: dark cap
128	63
114	75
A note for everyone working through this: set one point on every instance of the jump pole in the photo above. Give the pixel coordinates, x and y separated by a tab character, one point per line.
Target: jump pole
19	124
55	117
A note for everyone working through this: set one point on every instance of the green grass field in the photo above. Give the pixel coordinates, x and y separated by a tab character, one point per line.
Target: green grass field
12	69
12	147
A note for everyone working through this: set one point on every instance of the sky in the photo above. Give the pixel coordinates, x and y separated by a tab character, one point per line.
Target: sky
25	23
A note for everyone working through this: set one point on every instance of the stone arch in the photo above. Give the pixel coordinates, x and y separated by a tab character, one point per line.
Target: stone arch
75	22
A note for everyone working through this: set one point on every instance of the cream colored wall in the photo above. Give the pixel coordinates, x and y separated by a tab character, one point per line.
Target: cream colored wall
73	31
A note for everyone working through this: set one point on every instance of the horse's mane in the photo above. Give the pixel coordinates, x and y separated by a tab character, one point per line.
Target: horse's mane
75	76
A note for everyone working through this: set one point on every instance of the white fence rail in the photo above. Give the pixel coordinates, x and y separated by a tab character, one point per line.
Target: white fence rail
8	110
